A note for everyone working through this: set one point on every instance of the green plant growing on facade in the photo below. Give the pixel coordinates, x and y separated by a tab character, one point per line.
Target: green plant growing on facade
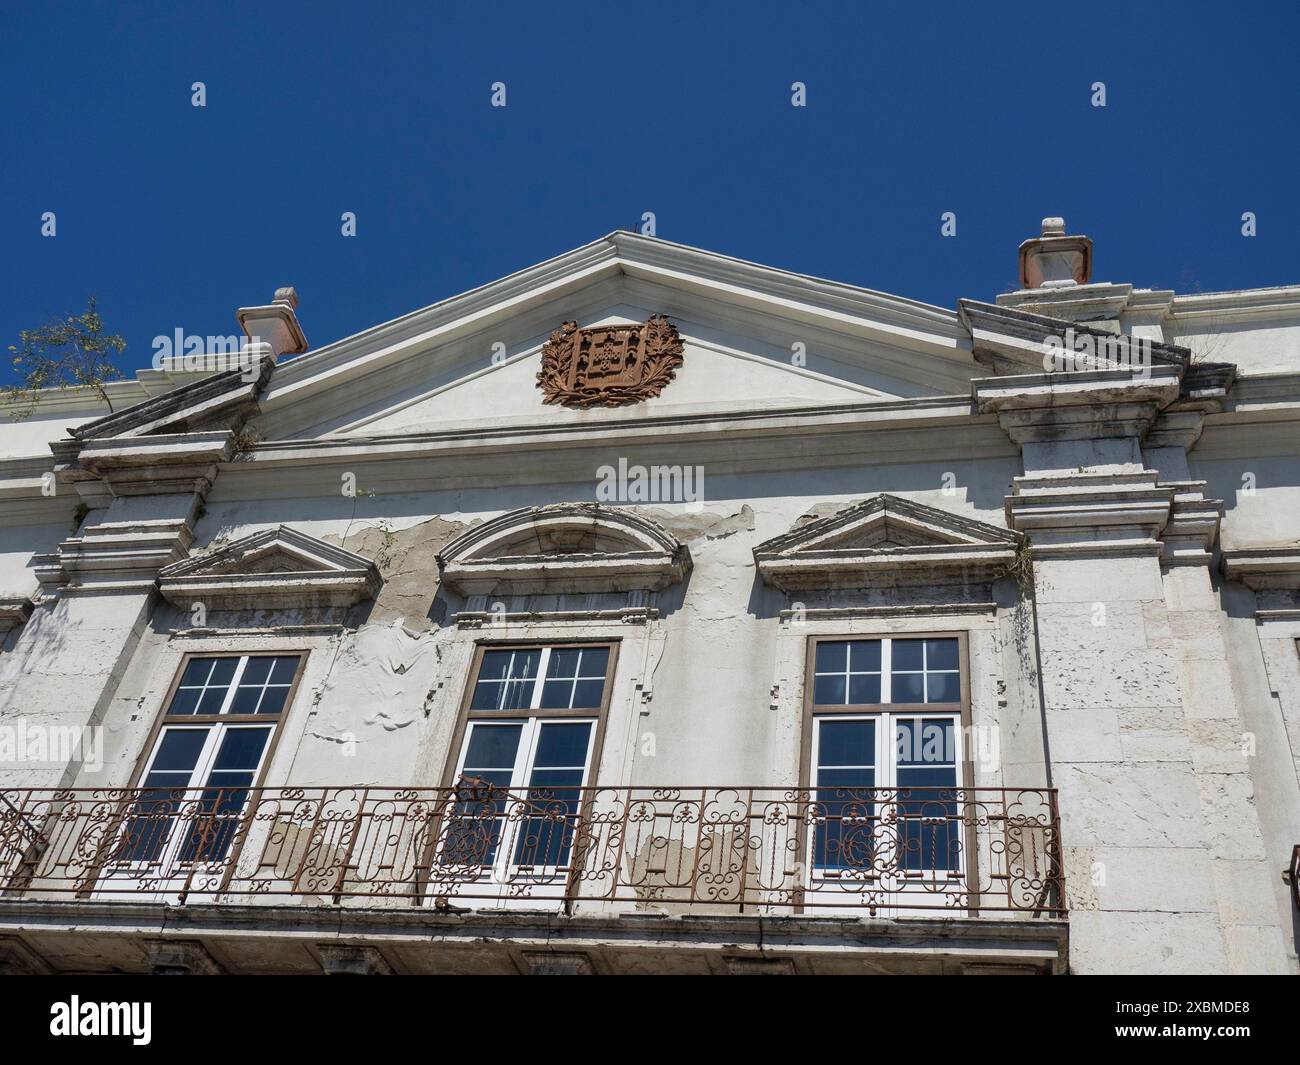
72	352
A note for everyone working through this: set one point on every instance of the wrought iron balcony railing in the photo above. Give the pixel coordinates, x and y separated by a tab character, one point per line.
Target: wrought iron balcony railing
877	851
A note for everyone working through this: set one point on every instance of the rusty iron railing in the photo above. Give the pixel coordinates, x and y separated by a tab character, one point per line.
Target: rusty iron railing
876	851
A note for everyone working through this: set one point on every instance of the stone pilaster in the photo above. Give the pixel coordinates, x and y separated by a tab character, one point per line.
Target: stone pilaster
1139	711
97	595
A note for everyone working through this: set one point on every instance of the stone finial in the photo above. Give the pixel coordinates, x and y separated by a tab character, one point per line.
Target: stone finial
1054	260
276	325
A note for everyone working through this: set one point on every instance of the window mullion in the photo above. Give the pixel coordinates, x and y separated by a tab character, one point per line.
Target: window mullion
524	755
543	664
233	686
886	670
207	756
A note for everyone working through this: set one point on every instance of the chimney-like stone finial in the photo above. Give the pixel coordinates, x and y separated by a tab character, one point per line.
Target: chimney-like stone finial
276	326
1054	260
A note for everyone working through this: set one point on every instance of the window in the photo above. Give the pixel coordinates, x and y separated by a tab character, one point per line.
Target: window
527	748
886	762
211	745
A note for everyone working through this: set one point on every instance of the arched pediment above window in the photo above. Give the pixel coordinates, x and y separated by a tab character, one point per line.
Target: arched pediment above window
564	548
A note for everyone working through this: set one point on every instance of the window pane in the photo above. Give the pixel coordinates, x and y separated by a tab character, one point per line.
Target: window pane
494	665
909	688
927	742
557	694
864	656
284	669
554	783
944	688
907	654
256	671
832	657
273	700
595	661
562	744
179	749
564	662
506	679
846	743
941	654
241	748
211	701
245	701
487	695
829	691
196	672
516	694
938	776
844	783
587	694
864	689
492	747
223	671
184	701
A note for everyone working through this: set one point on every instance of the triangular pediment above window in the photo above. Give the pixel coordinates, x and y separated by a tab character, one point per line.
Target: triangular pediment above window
886	541
279	568
567	548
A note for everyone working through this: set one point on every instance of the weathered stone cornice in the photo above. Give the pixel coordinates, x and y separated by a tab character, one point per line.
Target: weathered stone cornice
1264	568
1084	515
1193	525
1093	404
157	465
212	401
114	556
1011	341
14	611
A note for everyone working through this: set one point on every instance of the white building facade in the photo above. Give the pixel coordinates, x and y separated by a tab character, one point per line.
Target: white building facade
653	611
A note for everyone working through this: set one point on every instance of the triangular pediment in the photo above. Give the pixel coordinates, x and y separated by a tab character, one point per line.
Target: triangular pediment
753	337
886	540
273	569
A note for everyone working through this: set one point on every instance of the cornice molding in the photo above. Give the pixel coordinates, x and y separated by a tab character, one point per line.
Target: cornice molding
1085	515
212	401
14	612
1264	568
1089	405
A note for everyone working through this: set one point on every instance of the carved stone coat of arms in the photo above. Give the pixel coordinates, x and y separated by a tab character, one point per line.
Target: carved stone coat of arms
609	365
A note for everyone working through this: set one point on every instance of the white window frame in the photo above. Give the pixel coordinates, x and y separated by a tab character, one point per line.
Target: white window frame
887	668
233	687
167	867
503	868
217	731
539	681
886	774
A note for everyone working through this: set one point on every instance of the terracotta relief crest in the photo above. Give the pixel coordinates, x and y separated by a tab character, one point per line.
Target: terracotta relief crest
609	365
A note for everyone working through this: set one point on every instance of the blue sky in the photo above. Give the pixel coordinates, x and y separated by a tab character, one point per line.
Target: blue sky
174	215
